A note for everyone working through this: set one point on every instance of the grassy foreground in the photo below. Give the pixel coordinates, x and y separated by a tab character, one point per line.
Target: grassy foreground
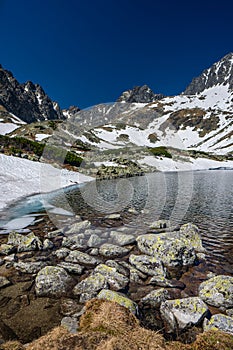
108	326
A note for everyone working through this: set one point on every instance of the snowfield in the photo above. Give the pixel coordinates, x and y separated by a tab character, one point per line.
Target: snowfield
21	177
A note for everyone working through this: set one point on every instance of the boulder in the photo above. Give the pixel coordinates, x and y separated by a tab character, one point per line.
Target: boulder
155	298
219	322
90	286
71	268
190	233
24	243
112	250
52	281
94	241
180	314
118	298
77	241
148	264
81	258
29	267
218	291
62	253
122	239
115	279
78	227
170	248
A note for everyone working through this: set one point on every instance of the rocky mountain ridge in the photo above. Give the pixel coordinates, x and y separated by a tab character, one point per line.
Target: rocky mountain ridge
220	73
27	101
139	94
197	122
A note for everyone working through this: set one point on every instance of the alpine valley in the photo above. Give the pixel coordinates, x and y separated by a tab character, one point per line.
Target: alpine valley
141	132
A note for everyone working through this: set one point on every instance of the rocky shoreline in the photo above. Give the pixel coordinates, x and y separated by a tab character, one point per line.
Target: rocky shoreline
47	277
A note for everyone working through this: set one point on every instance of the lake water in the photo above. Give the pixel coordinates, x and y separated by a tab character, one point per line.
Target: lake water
202	197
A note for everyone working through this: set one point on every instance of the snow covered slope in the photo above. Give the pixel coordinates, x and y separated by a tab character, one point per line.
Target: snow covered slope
21	177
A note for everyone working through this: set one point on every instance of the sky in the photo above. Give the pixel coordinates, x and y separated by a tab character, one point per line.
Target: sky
85	52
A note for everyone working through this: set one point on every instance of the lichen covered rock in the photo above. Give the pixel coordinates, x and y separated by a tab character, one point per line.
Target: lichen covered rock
24	243
112	250
180	314
155	298
219	322
218	291
90	286
52	281
171	248
119	299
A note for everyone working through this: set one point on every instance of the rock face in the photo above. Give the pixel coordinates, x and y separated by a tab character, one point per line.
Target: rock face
141	94
52	281
218	291
27	101
221	322
179	314
220	73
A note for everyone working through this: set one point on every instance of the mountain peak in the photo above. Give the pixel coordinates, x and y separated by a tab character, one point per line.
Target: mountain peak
139	94
220	73
27	101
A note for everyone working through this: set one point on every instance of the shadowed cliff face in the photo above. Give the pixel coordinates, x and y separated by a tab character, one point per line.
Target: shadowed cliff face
220	73
27	101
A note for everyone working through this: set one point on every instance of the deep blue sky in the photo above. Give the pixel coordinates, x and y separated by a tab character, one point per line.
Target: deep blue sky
85	52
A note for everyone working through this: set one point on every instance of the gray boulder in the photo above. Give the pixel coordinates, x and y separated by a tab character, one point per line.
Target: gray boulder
90	286
52	281
112	250
149	265
81	258
171	248
218	291
221	322
24	243
77	241
78	227
115	279
180	314
122	239
71	268
155	298
118	298
29	267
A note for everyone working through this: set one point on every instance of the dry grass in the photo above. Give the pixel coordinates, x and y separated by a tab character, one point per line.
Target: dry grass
109	326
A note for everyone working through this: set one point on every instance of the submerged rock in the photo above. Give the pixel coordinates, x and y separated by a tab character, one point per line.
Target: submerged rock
52	281
122	239
218	291
112	250
78	227
81	258
119	299
179	314
219	322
